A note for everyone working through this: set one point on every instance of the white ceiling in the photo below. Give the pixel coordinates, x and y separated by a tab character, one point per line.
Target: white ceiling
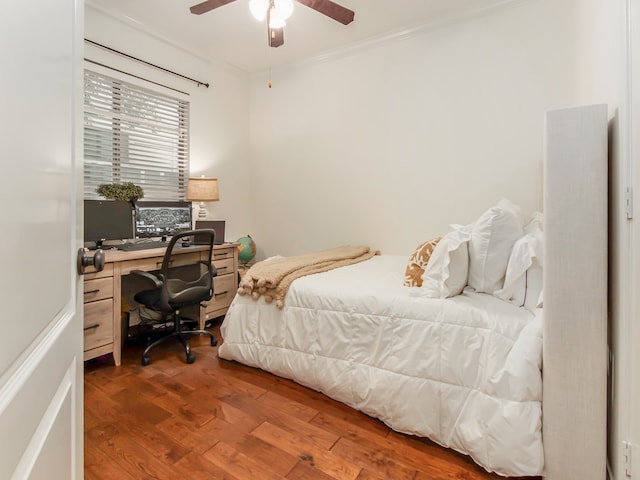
229	33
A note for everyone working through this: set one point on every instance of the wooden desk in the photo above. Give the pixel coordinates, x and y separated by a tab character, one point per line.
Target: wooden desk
103	291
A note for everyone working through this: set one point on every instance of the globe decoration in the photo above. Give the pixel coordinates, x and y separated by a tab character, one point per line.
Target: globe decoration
246	249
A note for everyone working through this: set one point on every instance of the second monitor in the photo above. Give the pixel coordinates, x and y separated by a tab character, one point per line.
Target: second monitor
160	219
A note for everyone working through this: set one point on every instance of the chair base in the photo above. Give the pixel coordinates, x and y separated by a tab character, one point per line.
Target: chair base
179	335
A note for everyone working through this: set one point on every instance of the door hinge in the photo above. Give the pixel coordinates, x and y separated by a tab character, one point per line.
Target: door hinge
626	453
628	202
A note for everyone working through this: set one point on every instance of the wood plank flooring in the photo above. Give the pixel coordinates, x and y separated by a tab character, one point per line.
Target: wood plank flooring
221	420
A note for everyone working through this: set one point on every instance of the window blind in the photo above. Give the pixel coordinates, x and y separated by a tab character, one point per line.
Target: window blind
132	134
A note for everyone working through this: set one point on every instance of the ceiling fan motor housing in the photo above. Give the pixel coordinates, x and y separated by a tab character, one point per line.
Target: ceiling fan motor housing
277	11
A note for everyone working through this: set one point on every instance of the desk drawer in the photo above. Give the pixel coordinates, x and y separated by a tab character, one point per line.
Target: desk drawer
107	271
224	289
98	289
223	253
155	263
224	267
98	323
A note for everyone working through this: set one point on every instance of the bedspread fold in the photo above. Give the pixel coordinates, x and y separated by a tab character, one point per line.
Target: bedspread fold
271	278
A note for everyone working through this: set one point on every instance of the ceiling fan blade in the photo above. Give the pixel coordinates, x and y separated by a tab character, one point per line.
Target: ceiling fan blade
276	37
330	9
209	5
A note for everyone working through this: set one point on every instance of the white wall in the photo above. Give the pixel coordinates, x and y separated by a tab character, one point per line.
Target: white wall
389	144
219	114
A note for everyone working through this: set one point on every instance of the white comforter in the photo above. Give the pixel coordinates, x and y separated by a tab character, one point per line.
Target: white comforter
465	371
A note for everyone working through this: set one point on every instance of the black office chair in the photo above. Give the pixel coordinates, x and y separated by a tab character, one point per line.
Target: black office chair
176	288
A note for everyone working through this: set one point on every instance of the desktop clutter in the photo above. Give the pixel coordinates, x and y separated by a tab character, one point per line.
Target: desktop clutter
124	217
125	225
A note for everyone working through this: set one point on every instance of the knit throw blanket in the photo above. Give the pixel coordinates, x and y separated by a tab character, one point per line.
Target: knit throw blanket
271	278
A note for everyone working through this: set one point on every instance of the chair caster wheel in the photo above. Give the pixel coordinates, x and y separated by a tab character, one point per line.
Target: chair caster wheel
145	360
191	357
214	342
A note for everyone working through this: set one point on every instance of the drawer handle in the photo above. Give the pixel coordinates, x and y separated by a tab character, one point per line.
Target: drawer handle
222	268
221	293
92	327
223	255
159	264
89	292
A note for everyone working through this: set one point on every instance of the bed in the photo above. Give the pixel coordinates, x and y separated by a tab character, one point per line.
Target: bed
459	359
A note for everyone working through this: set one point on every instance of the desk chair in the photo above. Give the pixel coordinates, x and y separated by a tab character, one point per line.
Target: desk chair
177	288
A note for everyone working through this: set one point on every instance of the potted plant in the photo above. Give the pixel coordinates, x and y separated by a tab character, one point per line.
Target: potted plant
128	191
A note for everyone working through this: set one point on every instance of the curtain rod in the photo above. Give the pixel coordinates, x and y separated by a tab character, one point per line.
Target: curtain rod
134	76
197	82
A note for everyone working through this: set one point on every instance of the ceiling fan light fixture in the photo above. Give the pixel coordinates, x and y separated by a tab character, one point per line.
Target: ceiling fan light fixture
277	11
275	19
259	9
284	8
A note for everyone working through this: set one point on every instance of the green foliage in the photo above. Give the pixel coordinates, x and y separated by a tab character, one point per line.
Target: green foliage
120	191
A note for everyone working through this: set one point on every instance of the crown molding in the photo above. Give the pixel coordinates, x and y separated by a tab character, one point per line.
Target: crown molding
158	36
395	36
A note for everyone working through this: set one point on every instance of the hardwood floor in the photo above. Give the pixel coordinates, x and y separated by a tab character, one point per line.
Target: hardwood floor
221	420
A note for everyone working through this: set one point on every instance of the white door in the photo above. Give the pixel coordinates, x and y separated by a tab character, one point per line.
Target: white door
41	365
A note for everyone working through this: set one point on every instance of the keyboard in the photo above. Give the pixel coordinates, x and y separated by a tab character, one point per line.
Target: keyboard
131	247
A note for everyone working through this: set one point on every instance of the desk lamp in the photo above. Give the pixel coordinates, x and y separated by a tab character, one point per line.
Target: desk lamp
202	190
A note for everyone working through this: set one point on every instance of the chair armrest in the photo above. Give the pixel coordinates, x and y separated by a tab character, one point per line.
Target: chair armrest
158	283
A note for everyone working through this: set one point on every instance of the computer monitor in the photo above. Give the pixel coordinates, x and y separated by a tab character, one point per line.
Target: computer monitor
160	219
107	220
216	225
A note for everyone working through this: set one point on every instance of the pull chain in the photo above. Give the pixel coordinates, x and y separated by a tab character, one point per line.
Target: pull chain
269	84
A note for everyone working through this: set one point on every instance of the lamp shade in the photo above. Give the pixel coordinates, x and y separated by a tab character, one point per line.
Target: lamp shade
203	190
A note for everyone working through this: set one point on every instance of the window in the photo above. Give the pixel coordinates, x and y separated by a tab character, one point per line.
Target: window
132	134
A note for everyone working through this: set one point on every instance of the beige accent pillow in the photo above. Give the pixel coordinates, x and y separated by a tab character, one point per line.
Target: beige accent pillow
418	262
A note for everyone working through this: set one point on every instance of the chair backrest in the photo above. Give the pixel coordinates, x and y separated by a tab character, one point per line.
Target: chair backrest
192	283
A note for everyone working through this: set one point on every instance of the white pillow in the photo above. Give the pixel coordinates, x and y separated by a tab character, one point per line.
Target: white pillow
535	222
492	238
523	279
446	273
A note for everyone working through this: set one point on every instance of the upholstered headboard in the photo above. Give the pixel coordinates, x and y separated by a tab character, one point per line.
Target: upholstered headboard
575	293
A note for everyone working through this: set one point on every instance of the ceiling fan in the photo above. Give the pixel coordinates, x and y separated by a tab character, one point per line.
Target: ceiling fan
276	11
